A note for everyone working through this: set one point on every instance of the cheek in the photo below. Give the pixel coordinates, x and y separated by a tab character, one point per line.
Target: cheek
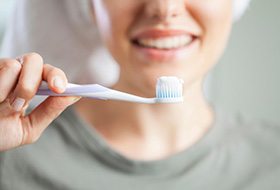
215	19
114	21
212	11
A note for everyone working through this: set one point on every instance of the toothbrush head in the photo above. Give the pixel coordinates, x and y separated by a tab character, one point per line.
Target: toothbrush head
169	90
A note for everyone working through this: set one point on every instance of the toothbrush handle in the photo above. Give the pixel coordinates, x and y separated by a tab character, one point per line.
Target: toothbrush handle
72	90
94	91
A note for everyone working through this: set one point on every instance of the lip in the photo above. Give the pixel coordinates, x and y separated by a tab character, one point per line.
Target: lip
160	33
164	55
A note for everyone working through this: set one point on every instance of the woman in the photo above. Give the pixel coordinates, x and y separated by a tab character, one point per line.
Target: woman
109	144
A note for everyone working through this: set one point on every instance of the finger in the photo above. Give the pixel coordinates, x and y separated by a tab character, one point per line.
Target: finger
40	118
9	73
25	107
29	80
55	78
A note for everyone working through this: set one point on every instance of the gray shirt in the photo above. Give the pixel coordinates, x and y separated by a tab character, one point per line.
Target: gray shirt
232	155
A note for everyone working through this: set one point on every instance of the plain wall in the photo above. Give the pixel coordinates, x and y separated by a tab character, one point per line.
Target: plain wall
5	10
248	75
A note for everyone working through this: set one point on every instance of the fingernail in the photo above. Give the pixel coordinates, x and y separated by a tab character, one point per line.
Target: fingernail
58	83
20	60
18	104
76	98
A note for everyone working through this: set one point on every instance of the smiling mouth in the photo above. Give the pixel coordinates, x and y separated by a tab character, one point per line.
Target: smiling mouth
165	46
165	43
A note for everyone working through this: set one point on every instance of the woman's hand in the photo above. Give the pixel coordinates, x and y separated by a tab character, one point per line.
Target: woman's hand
19	81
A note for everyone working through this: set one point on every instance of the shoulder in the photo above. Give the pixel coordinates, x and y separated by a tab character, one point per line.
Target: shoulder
253	141
249	148
245	128
261	133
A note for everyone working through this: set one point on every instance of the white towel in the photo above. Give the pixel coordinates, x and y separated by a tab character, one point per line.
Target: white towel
63	33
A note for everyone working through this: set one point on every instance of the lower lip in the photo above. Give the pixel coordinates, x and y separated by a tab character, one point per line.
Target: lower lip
164	55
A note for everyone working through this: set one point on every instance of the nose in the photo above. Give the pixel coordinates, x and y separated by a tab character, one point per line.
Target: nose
164	9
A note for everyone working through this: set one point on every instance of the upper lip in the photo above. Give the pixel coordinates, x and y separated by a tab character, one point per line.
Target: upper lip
161	33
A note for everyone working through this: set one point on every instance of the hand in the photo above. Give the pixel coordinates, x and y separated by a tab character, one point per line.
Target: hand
19	82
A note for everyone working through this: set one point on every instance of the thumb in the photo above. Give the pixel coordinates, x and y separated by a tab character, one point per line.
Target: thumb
39	119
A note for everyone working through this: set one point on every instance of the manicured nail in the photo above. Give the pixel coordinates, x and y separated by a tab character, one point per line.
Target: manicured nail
58	83
18	104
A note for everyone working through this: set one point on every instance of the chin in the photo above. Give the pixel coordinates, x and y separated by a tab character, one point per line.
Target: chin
156	70
144	81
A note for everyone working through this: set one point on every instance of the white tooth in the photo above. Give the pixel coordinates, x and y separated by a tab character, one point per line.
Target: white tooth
183	40
161	43
156	43
166	43
188	39
169	43
176	42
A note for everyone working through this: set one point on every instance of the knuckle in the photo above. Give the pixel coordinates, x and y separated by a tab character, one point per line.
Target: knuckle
34	56
48	68
54	71
47	65
11	64
58	71
2	97
25	90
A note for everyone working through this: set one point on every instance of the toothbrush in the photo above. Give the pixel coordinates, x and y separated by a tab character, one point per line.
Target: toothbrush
168	90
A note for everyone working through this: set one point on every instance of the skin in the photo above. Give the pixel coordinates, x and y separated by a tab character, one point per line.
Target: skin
150	132
138	131
20	78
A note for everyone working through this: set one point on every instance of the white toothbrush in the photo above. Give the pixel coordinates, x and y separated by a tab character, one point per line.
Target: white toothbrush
168	90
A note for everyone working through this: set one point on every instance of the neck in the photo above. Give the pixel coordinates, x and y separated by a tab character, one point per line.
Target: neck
155	130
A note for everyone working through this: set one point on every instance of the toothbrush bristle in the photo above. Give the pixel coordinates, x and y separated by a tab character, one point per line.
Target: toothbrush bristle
169	89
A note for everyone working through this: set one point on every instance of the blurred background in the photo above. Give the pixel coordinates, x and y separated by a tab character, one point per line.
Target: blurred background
246	79
5	9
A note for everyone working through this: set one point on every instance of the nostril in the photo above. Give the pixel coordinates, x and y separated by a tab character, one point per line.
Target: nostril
165	12
164	16
174	15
